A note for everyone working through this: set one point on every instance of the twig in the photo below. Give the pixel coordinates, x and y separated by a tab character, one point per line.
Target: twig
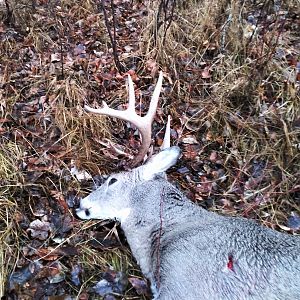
168	15
170	18
9	14
256	24
61	52
280	31
111	37
60	28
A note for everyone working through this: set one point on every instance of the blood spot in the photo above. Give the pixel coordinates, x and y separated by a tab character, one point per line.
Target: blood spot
230	263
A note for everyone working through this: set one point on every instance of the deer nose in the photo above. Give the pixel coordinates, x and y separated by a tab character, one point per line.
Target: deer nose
83	213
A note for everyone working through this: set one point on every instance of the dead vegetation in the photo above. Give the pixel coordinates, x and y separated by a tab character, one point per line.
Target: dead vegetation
9	231
231	86
239	94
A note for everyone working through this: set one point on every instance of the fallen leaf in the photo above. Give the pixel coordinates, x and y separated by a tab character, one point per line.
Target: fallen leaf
139	285
213	156
55	57
23	275
128	48
205	74
151	65
76	270
112	282
79	49
190	140
190	152
39	229
80	175
60	199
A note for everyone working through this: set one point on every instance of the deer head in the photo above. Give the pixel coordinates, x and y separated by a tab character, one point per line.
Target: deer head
117	186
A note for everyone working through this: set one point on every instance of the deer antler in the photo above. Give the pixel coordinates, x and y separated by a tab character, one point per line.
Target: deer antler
143	124
167	137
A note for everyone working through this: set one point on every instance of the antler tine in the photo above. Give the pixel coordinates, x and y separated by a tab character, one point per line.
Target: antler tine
143	124
154	99
131	102
167	137
126	115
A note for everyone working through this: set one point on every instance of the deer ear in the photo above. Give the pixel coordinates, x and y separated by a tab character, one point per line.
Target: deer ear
160	162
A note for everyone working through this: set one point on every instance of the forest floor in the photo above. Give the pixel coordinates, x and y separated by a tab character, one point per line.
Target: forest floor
231	86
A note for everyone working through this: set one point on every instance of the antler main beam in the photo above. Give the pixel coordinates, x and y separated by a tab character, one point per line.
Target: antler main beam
143	124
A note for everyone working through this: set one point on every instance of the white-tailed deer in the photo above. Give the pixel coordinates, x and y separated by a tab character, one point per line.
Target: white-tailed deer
185	251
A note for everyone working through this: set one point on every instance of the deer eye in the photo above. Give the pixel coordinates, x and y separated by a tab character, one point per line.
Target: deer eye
112	181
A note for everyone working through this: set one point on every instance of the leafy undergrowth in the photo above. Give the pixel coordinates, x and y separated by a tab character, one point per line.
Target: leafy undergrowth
231	86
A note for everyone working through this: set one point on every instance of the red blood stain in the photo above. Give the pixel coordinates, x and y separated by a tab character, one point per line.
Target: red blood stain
230	263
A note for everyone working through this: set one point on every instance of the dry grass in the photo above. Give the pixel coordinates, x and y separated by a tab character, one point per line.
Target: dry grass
60	123
80	132
9	238
9	234
246	105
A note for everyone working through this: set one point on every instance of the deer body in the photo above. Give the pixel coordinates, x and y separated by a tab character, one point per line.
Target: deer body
185	251
188	252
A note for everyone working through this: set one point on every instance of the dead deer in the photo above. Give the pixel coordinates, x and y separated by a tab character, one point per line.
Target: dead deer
185	251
